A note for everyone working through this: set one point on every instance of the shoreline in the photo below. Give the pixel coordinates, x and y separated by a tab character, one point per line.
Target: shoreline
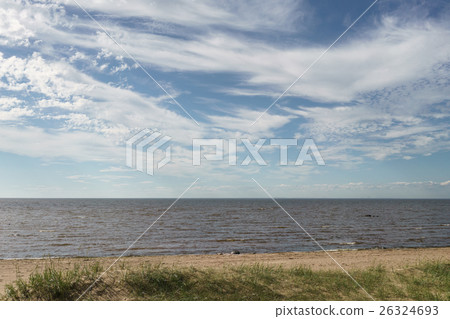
392	259
220	253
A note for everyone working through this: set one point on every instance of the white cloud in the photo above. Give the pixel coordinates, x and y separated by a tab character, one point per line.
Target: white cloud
15	114
86	178
100	106
12	30
55	80
8	102
75	146
248	15
389	55
114	169
392	52
387	77
78	56
241	122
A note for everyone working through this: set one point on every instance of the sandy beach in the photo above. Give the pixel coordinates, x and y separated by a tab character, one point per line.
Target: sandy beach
349	259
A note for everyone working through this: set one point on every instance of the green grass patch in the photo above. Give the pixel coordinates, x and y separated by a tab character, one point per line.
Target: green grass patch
54	284
426	281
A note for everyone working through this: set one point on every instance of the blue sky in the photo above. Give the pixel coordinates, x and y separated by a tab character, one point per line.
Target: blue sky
376	104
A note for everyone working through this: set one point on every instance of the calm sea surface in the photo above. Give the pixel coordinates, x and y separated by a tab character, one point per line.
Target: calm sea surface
31	228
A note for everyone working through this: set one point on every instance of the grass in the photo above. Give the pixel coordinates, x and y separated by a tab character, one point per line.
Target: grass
425	281
53	283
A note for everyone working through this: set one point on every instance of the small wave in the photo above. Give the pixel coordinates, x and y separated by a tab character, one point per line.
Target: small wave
348	243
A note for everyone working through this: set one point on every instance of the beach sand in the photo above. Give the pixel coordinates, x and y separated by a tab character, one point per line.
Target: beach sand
394	259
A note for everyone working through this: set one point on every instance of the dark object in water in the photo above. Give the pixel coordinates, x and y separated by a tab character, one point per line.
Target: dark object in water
235	252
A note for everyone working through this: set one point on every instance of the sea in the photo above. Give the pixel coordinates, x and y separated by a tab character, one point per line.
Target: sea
40	228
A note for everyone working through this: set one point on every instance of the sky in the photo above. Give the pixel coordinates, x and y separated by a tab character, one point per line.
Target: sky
79	78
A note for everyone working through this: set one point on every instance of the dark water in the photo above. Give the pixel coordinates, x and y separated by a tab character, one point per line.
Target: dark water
106	227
